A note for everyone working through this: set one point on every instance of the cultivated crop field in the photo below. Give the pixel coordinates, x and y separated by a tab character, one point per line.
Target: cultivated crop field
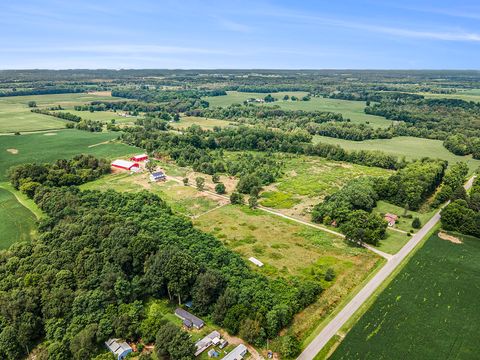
410	147
353	110
50	146
18	222
429	311
307	179
15	115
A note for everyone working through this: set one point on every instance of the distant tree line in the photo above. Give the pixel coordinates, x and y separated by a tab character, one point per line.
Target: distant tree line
254	138
42	91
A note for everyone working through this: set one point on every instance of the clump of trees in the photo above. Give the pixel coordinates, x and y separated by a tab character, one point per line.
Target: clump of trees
463	213
454	178
78	170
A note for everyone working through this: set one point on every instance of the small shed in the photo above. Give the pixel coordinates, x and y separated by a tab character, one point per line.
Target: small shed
125	165
255	261
141	157
158	176
391	219
212	353
120	349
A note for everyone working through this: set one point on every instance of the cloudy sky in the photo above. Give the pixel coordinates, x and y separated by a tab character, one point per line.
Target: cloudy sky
289	34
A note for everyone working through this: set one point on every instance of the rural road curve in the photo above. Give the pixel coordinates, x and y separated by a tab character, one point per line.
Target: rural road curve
341	318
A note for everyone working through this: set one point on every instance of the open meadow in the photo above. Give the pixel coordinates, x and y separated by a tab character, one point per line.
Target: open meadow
429	311
204	123
15	115
410	147
50	146
287	249
18	222
308	179
353	110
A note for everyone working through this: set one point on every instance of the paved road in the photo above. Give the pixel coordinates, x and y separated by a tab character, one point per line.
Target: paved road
338	321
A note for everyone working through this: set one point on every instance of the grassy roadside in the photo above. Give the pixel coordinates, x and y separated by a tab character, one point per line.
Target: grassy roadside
330	347
342	304
23	199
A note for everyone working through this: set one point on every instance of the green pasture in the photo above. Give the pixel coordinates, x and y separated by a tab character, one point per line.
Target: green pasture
15	115
204	123
104	116
353	110
410	147
429	311
467	95
50	146
18	222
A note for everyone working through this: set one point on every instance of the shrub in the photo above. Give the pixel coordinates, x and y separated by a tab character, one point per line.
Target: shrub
416	224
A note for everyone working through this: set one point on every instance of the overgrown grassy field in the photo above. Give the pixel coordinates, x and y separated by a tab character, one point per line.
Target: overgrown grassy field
288	248
410	147
308	179
204	123
185	200
353	110
15	115
17	222
47	147
429	311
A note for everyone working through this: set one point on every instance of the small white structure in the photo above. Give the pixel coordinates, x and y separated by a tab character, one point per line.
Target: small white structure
120	349
255	261
237	354
211	339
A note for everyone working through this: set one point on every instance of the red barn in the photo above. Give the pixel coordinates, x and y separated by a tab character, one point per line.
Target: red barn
126	165
141	157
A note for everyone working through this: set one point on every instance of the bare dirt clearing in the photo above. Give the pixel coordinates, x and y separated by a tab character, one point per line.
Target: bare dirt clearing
452	239
12	151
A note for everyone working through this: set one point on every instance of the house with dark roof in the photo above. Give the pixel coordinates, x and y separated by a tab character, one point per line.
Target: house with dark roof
189	320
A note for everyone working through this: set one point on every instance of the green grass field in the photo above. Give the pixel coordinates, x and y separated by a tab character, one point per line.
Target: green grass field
104	116
208	124
185	200
429	311
410	147
47	147
353	110
18	222
467	95
15	115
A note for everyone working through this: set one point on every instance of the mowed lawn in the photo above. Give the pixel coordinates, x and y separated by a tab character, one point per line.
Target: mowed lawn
410	147
47	147
308	179
15	115
18	222
353	110
429	311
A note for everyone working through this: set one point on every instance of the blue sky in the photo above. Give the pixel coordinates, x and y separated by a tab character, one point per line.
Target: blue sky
199	34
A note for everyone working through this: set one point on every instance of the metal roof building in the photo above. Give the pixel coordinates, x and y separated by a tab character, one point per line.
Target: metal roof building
189	318
119	348
237	354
